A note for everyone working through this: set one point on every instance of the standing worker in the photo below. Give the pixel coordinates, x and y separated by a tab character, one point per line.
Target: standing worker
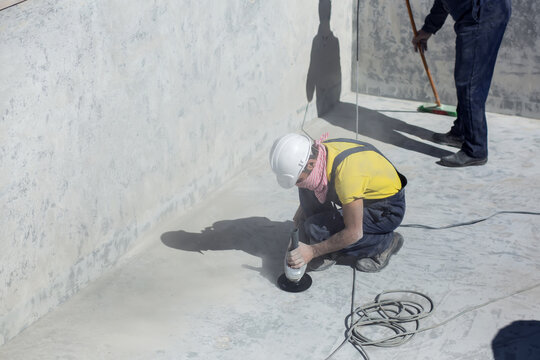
347	173
479	27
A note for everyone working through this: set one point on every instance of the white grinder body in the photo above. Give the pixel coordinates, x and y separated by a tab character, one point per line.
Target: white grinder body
293	274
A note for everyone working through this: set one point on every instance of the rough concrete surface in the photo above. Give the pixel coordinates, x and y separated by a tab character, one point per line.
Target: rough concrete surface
203	285
109	108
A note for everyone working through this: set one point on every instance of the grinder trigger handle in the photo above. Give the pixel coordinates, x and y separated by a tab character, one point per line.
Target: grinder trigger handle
294	240
293	274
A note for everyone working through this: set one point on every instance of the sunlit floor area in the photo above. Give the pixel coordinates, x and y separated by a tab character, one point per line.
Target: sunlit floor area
204	285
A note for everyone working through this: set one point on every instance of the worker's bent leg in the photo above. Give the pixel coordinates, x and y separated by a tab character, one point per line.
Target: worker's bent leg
325	219
380	218
321	226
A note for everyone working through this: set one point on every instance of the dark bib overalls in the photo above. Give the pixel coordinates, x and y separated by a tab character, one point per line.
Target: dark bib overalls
381	216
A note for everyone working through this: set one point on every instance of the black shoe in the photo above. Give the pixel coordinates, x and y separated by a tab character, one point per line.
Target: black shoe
447	139
460	159
379	262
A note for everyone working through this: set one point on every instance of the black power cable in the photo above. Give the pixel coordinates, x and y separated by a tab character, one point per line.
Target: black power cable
419	226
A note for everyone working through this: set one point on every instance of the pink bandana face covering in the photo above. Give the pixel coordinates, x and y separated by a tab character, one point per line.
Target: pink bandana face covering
317	180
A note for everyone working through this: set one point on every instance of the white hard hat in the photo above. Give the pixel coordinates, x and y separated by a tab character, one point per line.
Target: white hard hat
288	157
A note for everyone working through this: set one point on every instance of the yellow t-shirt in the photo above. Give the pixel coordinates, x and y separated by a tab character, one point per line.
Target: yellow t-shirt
361	175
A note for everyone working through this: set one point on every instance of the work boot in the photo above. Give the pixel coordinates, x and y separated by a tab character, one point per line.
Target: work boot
447	139
460	159
379	262
321	263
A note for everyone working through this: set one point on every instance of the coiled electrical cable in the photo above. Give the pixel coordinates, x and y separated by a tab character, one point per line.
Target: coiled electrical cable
399	315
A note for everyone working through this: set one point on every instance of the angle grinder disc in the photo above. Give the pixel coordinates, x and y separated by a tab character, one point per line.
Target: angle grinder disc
291	286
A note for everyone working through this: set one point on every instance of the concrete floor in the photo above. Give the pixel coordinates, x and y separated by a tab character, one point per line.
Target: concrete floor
203	286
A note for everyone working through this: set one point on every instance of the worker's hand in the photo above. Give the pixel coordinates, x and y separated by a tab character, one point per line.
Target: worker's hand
300	256
420	41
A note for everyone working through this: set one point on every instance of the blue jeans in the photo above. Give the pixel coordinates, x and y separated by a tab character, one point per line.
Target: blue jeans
380	219
478	38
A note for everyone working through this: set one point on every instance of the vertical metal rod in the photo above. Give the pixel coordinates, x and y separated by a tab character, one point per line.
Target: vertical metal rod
357	100
357	50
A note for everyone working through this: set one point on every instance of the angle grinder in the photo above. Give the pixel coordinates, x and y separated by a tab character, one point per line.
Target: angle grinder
294	280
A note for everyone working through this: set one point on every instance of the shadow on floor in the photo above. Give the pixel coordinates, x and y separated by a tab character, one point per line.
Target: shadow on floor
383	128
518	341
257	236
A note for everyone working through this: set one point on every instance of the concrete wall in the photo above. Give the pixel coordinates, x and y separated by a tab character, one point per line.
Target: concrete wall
390	67
118	115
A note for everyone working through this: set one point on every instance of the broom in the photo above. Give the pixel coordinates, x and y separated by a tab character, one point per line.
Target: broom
436	108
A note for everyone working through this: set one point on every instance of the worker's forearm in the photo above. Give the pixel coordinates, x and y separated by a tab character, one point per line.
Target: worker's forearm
336	242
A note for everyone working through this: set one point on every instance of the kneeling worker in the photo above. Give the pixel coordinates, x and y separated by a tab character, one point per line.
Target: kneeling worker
342	173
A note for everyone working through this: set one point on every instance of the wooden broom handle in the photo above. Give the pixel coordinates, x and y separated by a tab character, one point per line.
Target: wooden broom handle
437	100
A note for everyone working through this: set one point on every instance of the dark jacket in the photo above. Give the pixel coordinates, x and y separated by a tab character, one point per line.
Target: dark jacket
456	8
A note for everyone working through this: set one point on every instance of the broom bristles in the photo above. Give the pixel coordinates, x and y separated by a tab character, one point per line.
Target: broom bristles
439	110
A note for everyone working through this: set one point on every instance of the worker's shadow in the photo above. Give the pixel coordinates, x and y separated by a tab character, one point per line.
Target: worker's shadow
375	125
324	72
257	236
324	79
